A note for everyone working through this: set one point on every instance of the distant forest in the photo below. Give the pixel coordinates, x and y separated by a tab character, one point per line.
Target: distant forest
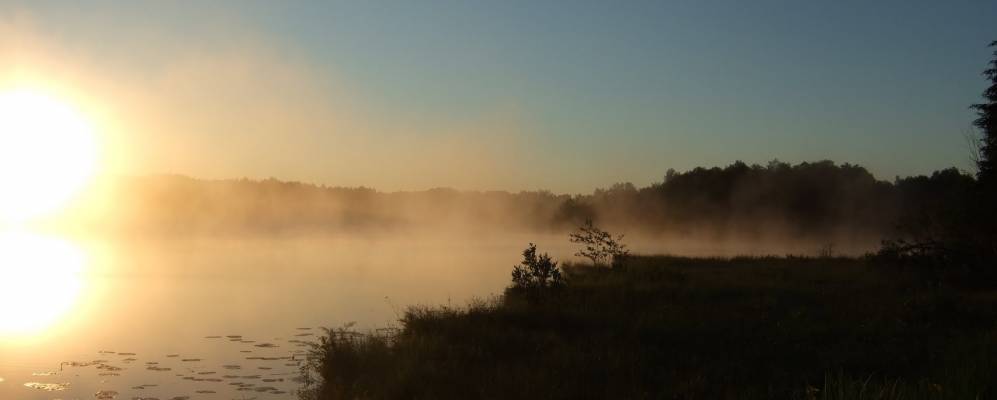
810	199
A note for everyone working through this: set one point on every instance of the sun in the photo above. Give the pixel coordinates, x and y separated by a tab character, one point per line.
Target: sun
48	153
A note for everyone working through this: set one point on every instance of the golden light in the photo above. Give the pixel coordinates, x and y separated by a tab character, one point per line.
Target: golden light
48	152
40	281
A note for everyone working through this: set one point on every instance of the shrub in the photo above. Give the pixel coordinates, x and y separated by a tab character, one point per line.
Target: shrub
537	272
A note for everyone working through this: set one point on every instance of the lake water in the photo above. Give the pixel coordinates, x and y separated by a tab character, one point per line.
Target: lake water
224	318
152	318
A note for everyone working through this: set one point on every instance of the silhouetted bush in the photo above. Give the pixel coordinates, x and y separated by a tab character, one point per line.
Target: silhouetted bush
537	273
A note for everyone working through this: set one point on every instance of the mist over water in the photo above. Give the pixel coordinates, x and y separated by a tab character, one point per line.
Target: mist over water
161	298
155	297
167	269
161	295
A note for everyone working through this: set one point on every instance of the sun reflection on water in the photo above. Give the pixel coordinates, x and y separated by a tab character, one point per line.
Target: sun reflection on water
41	278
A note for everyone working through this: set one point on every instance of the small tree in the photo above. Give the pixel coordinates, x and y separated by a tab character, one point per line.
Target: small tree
600	246
537	272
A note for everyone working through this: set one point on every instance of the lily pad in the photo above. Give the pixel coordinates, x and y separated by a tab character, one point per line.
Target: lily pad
48	387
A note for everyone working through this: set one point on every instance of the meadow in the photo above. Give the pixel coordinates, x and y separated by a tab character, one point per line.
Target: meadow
684	328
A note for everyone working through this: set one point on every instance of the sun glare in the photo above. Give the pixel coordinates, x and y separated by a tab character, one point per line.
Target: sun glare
48	153
40	280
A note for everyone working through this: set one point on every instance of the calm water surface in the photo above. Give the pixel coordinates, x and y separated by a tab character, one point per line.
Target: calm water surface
212	318
227	318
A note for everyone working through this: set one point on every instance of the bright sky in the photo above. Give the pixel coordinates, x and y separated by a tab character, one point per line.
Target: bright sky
567	96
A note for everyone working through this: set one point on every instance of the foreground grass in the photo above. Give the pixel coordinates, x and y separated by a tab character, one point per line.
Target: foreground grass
667	327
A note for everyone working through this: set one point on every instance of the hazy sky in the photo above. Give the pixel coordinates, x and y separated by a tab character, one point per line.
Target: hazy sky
567	95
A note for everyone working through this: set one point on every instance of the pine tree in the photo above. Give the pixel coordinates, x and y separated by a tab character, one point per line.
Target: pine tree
987	122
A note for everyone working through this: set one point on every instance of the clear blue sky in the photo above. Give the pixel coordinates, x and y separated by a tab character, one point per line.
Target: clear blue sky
590	92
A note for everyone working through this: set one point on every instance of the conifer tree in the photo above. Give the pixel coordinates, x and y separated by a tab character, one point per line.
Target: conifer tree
987	122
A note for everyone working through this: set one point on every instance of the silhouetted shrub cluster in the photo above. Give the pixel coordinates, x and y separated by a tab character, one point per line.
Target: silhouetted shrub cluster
536	274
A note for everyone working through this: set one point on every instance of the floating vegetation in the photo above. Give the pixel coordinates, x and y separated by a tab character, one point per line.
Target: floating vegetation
209	376
48	387
304	329
80	363
145	386
107	367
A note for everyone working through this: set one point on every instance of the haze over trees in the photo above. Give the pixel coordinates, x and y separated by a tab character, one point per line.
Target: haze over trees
819	201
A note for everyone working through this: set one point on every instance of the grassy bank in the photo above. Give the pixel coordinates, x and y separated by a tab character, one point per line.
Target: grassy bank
667	327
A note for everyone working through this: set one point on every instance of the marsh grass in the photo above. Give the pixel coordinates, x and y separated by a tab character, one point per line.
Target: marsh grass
684	328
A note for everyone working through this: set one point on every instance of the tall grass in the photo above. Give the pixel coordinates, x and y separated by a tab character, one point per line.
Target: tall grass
681	328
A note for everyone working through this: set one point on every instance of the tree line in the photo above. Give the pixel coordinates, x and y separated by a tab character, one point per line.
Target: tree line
804	199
